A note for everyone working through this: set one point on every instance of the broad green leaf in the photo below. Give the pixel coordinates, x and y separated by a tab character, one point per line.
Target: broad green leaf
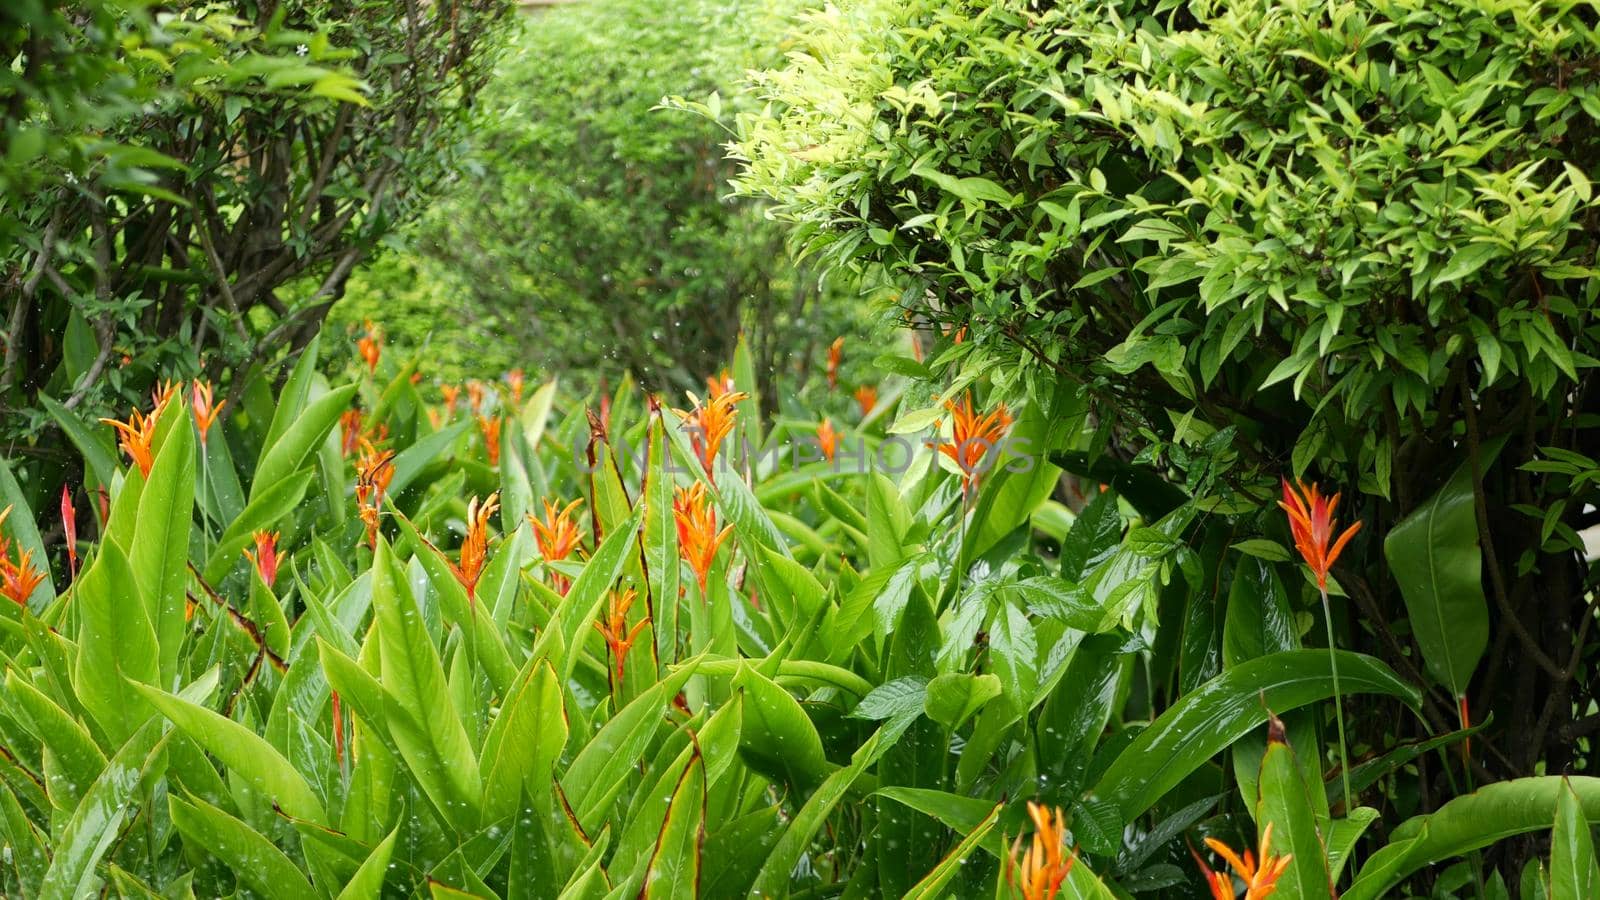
254	858
1574	873
262	513
525	741
422	719
1205	721
24	533
1436	560
932	885
1284	806
97	453
367	883
674	871
159	554
300	440
294	396
1491	813
773	879
116	644
97	821
246	755
78	762
778	738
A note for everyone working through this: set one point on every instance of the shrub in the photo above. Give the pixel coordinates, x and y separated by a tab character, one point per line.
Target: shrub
595	233
1356	239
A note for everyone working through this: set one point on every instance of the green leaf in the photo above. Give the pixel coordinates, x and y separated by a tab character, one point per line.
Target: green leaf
1491	813
932	885
367	882
525	741
253	858
116	644
290	451
955	696
78	762
675	867
1436	560
97	454
159	554
599	771
262	512
778	738
1206	720
246	754
422	719
773	879
1574	873
1464	261
97	821
1283	805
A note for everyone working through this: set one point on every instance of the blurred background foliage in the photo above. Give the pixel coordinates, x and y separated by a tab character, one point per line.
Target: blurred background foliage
595	234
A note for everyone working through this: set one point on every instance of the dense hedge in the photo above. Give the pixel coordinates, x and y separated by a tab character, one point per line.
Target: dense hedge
1353	239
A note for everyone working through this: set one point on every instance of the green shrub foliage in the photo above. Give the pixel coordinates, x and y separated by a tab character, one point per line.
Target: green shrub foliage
1354	239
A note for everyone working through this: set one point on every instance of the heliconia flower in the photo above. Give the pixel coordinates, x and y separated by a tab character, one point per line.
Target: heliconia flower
370	346
835	354
265	559
19	579
69	526
866	398
516	381
557	537
490	426
104	497
434	419
973	437
201	406
161	395
475	547
416	377
475	394
136	436
1259	882
451	394
374	470
605	415
719	384
338	732
350	431
1312	523
710	422
619	637
1039	873
698	538
827	439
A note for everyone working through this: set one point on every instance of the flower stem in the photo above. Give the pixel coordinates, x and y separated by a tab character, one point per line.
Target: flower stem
1338	704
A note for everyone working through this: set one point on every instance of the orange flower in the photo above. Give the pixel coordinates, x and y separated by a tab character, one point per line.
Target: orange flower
135	436
451	394
517	381
1312	523
710	423
619	637
18	580
160	396
827	439
200	404
265	559
557	537
350	431
434	419
475	396
973	437
835	354
717	385
698	538
490	426
1258	882
866	398
370	347
374	470
69	526
1041	870
475	548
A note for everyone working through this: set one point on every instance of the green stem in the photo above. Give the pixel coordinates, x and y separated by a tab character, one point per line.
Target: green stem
1338	703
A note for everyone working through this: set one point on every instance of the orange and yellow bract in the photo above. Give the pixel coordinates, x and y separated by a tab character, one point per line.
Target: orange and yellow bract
265	559
557	537
619	637
370	346
973	436
475	547
710	422
1312	523
698	537
136	437
203	407
1259	881
828	439
1040	871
